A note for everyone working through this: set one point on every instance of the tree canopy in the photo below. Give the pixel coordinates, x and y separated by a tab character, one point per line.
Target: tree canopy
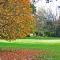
16	20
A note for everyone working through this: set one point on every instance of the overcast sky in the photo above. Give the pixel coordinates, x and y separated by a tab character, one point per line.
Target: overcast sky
52	5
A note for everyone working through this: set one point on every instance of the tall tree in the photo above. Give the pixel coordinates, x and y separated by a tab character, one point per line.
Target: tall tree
41	21
45	22
16	20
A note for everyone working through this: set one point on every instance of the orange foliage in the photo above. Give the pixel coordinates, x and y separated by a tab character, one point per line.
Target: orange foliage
16	19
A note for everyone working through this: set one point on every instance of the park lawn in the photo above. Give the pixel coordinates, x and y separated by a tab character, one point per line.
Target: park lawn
31	44
42	38
52	46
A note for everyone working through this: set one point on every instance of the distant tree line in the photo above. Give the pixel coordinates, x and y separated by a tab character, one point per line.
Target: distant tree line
46	24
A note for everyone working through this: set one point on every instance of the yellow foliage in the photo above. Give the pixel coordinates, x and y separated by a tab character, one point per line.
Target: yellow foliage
16	19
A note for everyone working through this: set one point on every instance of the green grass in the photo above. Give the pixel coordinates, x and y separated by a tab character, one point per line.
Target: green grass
52	46
31	44
42	38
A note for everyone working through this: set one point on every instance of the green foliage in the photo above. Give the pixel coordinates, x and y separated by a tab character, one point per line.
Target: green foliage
33	8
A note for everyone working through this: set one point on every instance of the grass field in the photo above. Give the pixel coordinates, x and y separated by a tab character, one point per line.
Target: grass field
31	44
42	38
52	46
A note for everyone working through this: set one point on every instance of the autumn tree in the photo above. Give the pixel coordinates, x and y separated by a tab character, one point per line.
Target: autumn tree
16	20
